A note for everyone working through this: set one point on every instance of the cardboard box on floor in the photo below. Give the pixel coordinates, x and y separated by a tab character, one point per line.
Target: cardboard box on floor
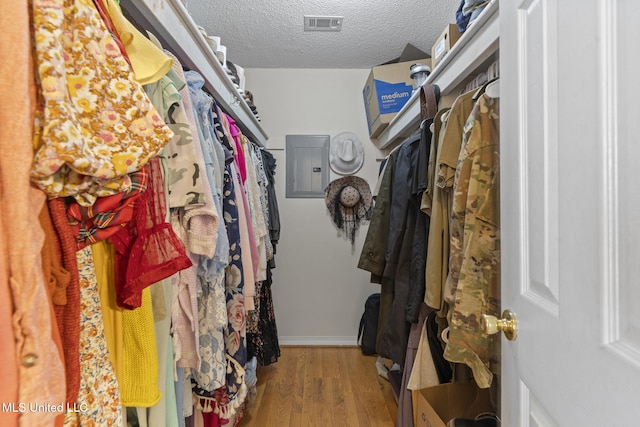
389	87
439	404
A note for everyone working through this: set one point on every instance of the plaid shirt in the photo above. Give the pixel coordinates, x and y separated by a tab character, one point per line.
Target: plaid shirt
108	214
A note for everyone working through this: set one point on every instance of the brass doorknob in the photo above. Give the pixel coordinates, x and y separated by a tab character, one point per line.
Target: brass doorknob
508	324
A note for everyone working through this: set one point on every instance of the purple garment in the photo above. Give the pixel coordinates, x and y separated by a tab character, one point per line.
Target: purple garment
239	152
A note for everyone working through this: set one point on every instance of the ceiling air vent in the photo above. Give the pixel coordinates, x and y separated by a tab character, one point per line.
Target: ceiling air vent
322	23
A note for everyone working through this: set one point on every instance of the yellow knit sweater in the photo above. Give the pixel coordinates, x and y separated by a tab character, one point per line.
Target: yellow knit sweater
130	336
140	362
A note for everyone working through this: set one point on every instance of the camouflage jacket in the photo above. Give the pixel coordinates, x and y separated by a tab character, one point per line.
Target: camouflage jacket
474	263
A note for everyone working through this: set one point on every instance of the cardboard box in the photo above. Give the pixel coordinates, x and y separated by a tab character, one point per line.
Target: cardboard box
439	404
388	88
445	42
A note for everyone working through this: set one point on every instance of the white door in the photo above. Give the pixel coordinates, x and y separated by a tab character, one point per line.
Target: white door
570	197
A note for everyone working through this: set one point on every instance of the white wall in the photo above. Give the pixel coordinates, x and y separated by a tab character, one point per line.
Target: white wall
318	291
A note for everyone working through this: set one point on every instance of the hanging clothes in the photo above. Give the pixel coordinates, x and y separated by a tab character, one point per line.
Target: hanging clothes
182	169
165	412
436	201
247	237
374	249
68	314
269	164
255	211
184	312
147	249
396	276
71	159
263	344
198	216
211	302
59	279
447	163
99	393
198	308
177	150
247	242
9	370
214	162
34	366
55	275
235	334
475	244
108	215
103	261
262	331
418	260
149	63
225	401
140	368
234	133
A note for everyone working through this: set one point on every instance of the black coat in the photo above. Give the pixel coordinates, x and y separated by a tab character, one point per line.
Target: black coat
402	227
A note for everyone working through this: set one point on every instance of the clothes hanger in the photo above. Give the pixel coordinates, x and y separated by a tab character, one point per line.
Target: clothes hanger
493	89
482	88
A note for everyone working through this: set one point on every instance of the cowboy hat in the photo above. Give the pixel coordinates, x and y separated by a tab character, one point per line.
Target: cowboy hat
346	153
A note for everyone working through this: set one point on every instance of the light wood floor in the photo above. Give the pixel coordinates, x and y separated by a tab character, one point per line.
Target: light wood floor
321	386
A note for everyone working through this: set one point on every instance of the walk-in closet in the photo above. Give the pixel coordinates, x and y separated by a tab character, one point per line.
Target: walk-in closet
319	213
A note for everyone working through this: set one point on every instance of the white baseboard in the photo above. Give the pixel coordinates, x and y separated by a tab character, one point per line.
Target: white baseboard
347	341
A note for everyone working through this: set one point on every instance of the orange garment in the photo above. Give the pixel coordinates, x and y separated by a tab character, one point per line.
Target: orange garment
62	280
10	47
40	368
55	275
68	315
8	367
57	341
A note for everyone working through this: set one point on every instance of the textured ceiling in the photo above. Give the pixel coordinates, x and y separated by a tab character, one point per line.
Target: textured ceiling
269	33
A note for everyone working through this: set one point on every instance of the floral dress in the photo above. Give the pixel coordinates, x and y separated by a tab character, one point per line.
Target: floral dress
99	396
95	123
212	317
225	403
